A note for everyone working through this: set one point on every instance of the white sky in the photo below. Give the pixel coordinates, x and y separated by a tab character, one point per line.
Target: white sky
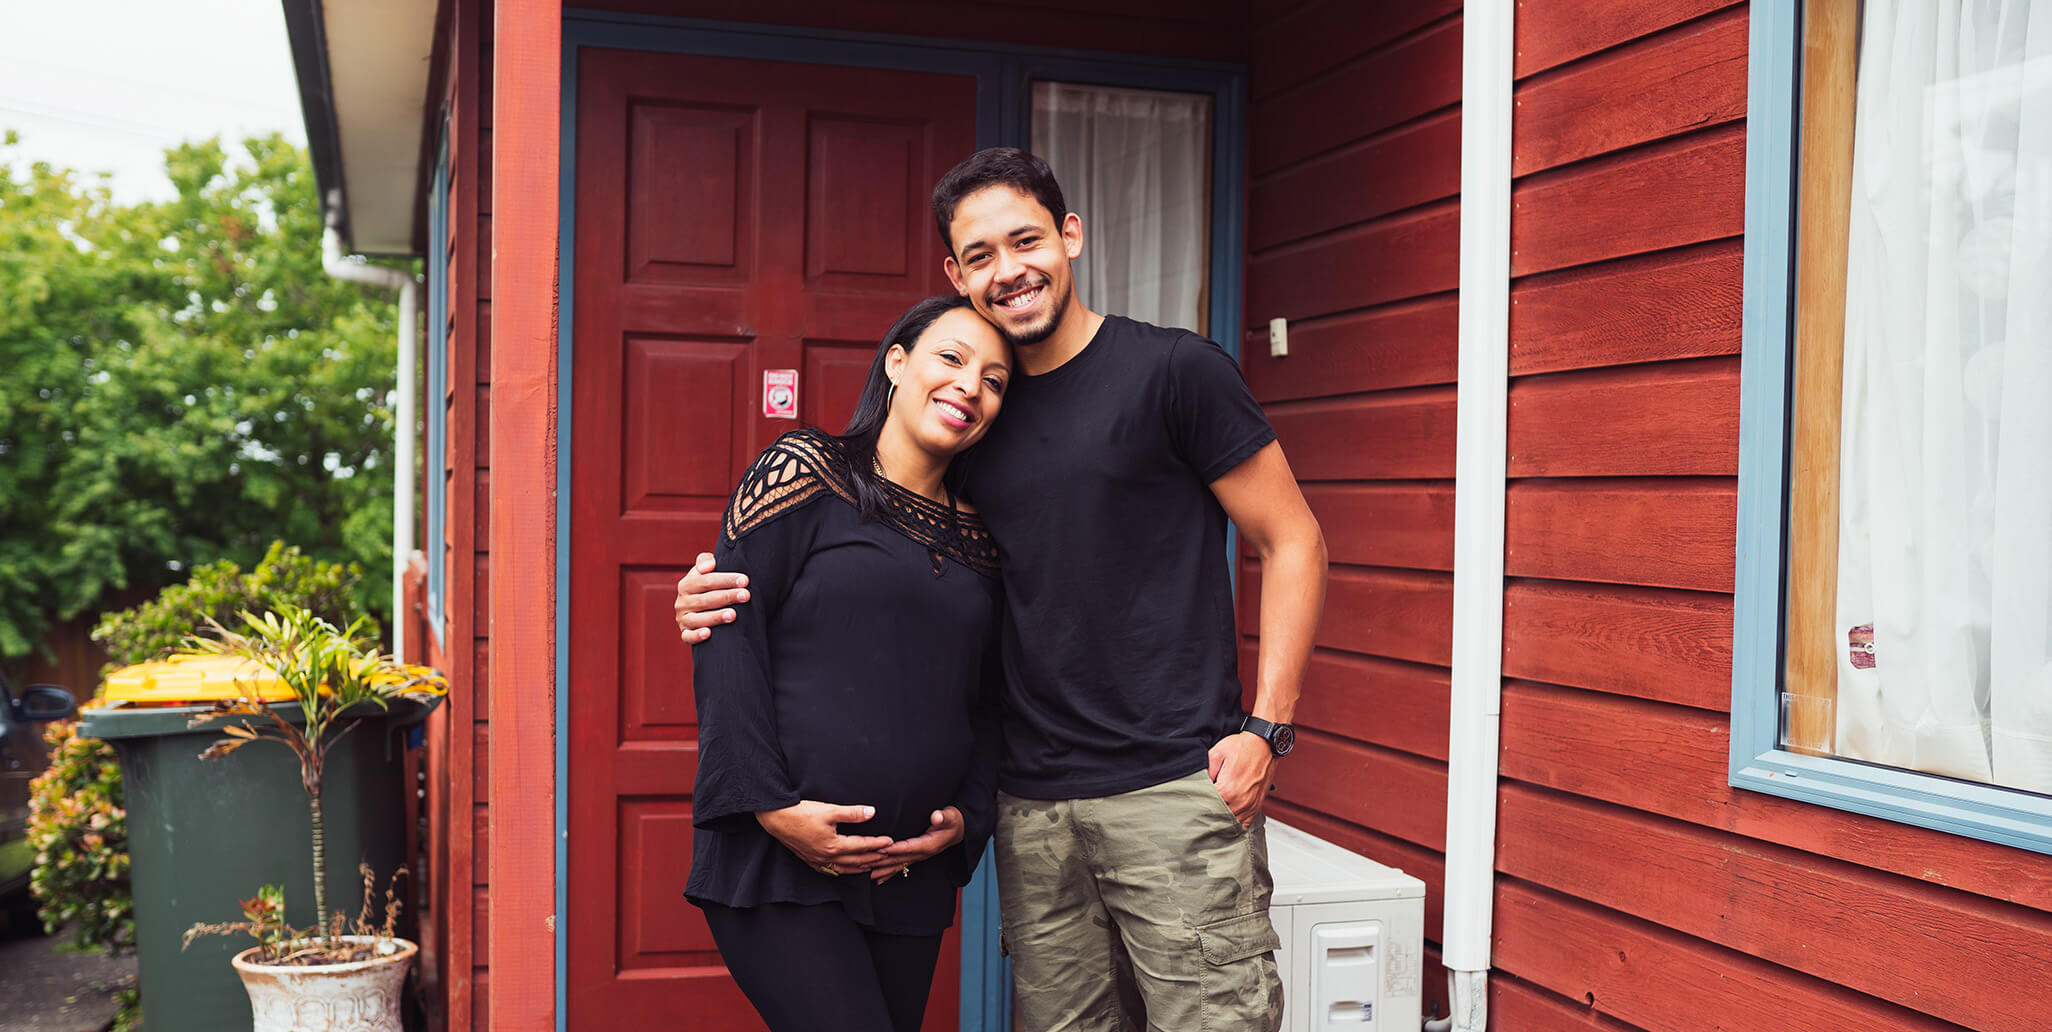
107	85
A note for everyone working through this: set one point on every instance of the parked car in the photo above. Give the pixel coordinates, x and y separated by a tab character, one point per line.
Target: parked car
22	757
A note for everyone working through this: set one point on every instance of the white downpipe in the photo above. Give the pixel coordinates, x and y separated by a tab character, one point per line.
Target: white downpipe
403	420
1479	472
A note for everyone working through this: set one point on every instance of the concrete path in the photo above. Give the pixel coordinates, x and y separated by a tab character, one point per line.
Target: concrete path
42	990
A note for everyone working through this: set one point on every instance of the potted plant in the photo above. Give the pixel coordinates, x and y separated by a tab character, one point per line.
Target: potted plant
336	680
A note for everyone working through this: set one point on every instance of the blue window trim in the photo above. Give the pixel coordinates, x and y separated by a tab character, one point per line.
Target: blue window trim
1758	762
436	452
1004	76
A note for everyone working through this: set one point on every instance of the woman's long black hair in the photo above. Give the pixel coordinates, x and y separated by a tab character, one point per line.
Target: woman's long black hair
858	441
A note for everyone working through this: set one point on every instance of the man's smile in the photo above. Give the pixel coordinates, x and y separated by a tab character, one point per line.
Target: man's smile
1022	300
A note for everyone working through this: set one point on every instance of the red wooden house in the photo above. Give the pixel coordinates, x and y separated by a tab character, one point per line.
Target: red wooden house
1526	273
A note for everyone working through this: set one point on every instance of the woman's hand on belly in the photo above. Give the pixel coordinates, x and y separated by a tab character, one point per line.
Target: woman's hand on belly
943	830
812	831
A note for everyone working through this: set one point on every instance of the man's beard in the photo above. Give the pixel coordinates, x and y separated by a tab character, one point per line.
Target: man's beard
1031	335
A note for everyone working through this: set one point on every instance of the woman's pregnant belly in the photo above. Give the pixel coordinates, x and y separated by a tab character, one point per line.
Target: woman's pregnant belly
905	760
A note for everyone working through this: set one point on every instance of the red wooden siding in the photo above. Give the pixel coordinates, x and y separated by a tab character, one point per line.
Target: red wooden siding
1636	888
459	783
1353	224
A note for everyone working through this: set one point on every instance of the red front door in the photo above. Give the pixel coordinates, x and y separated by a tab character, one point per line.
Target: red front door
733	217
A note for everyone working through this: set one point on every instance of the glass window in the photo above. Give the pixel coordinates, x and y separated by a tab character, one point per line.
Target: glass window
1916	630
1135	164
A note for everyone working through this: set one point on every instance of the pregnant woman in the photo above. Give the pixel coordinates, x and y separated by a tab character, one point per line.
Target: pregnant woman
847	718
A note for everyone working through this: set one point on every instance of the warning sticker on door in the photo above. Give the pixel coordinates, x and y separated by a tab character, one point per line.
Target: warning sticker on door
780	393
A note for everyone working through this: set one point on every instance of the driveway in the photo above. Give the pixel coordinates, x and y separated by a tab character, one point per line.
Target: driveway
42	990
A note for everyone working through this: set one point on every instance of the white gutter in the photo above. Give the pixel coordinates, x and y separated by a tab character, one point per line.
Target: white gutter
403	420
1479	473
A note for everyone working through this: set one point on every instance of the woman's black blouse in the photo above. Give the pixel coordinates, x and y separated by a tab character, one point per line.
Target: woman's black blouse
860	672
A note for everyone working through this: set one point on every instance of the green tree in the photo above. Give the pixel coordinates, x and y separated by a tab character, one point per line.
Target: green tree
184	384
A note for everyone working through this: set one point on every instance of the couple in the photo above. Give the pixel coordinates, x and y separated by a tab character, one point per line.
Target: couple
903	644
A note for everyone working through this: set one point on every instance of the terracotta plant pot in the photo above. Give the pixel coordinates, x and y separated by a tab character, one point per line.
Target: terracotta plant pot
358	997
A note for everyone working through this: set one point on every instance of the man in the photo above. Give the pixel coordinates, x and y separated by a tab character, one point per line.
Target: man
1132	865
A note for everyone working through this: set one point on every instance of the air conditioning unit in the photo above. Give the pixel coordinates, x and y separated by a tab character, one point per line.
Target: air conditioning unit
1352	930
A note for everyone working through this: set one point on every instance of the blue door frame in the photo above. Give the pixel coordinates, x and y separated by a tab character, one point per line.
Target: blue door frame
1004	87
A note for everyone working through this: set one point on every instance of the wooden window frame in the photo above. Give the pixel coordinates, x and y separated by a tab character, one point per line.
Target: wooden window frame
1793	328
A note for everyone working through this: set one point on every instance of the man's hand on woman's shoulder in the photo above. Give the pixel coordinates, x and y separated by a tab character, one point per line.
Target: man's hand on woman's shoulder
705	597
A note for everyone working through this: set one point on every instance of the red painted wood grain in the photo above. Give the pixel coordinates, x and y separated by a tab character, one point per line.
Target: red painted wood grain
482	493
1669	532
1395	614
481	824
1683	303
1668	194
1315	38
1948	954
1636	974
481	670
1673	761
527	120
1404	167
1380	702
1404	344
1516	1003
480	418
484	341
1384	436
1682	80
1554	32
1665	419
1674	646
481	924
1376	788
1407	525
1417	77
467	102
481	993
1409	255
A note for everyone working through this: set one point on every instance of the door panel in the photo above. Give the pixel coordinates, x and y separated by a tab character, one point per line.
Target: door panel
733	216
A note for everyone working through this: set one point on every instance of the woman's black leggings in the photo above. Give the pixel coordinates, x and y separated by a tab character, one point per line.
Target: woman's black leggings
808	968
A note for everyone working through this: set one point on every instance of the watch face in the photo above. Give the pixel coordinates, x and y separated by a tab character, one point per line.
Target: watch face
1283	739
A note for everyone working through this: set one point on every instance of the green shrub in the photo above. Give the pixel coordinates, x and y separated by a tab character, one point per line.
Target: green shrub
77	821
79	832
222	592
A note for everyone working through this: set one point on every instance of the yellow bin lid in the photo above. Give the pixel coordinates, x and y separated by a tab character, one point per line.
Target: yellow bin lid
189	679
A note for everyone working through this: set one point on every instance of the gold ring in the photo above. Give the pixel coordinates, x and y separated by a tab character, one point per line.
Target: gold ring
905	871
828	870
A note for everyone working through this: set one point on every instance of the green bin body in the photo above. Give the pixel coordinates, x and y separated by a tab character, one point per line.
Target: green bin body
203	835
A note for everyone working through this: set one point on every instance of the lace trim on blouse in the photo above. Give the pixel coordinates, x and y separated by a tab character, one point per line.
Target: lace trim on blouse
804	464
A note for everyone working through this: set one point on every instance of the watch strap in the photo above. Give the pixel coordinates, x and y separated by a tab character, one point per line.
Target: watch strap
1280	737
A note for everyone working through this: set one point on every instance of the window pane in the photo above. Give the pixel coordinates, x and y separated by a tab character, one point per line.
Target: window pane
1941	625
1135	164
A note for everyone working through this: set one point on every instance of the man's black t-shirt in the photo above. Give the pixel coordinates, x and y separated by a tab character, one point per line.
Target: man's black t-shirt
1120	662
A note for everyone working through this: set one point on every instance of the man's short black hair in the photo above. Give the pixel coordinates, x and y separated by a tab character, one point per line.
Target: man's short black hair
996	166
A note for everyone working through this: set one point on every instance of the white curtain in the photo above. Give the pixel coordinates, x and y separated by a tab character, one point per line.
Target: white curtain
1945	525
1135	164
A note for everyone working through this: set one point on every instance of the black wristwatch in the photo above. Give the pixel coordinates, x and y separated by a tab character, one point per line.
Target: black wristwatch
1281	738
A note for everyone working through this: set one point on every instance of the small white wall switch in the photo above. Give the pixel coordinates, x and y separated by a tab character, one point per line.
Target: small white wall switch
1278	337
